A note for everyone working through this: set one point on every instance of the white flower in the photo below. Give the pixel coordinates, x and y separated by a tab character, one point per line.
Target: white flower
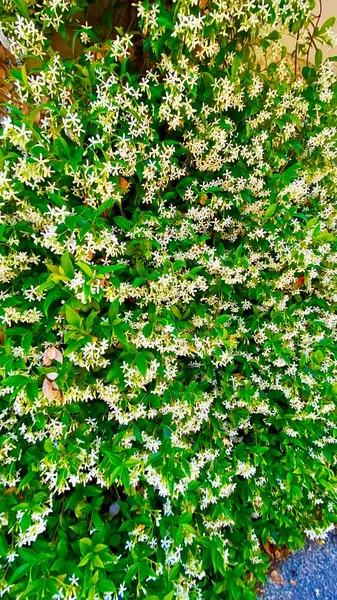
246	470
74	580
11	556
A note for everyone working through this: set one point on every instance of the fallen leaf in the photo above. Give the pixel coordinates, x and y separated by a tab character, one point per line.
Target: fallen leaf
53	376
51	354
50	389
276	552
276	577
281	552
267	547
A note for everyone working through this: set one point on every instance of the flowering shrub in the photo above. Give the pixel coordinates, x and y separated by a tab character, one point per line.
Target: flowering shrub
168	325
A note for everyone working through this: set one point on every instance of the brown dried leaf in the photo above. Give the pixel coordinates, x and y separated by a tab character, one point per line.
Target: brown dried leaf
276	552
52	353
2	337
50	389
10	490
37	119
123	183
268	549
281	552
53	376
64	48
49	356
276	577
59	356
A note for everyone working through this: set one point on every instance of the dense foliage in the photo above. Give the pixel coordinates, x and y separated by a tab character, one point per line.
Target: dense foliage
167	280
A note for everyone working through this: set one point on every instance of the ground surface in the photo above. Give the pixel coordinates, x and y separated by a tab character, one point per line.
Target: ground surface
310	574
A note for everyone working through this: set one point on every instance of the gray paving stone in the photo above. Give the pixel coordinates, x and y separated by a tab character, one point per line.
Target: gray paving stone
314	569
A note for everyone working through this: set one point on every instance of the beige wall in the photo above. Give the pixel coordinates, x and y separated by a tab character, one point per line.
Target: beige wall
329	10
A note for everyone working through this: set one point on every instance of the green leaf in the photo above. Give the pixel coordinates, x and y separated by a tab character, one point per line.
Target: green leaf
87	269
123	223
98	562
85	542
26	479
185	518
318	57
324	238
120	334
270	210
175	310
311	222
164	22
67	265
236	64
106	585
115	372
32	390
27	554
216	558
16	380
72	317
126	479
147	329
141	363
113	310
95	576
208	79
21	570
112	268
74	344
92	592
48	445
114	541
115	473
327	25
85	559
105	206
296	26
131	572
100	547
21	5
